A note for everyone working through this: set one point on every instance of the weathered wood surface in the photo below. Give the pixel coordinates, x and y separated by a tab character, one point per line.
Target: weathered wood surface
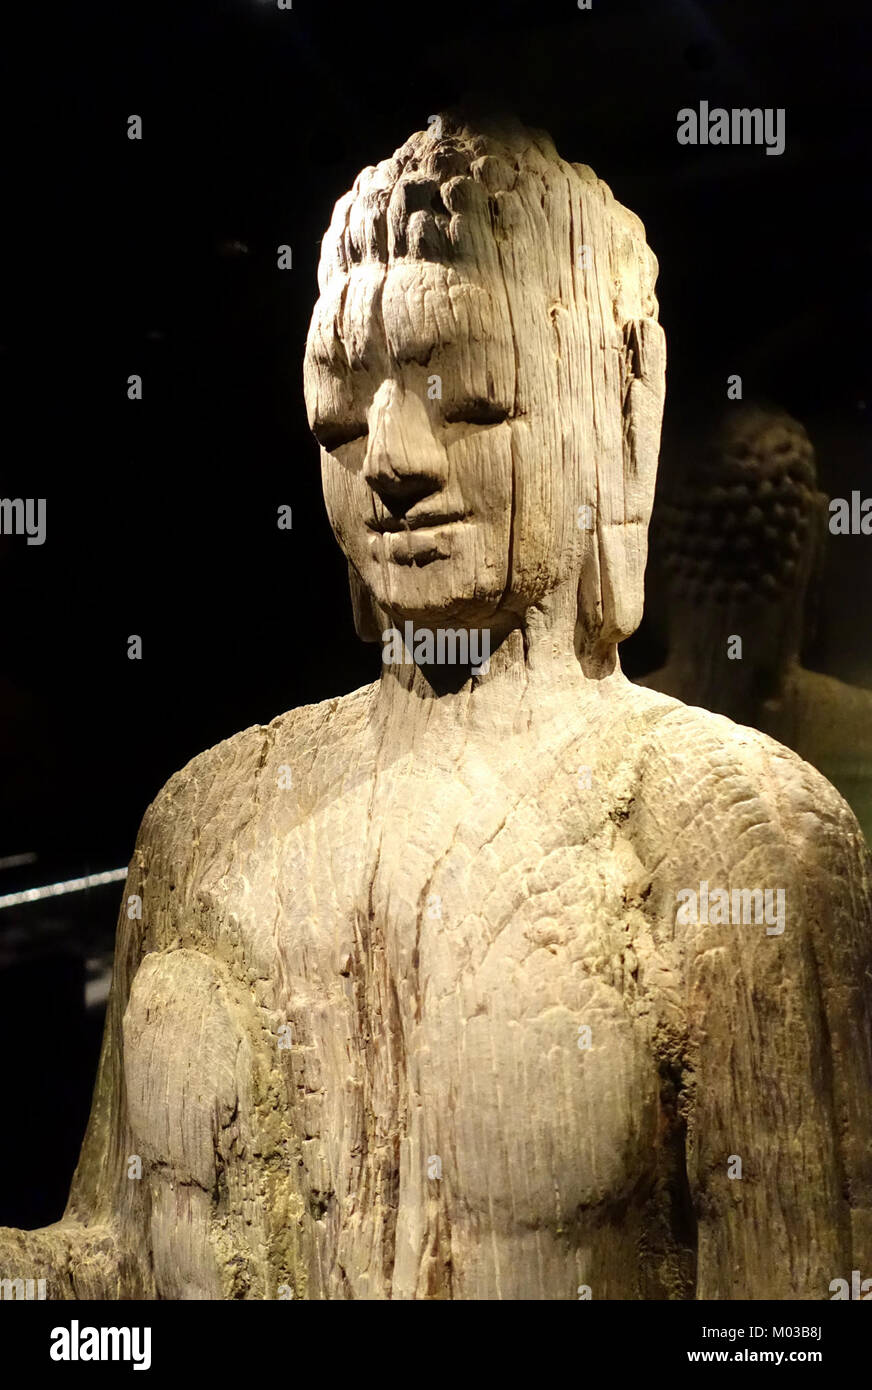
436	883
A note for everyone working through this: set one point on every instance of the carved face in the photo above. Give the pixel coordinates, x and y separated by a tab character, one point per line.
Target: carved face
451	478
485	374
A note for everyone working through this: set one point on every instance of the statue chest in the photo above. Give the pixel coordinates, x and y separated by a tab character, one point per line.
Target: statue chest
459	978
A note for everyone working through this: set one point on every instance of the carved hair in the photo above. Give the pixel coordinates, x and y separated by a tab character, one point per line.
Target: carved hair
419	204
742	524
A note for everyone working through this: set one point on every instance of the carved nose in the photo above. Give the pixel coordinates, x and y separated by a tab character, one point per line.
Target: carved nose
405	462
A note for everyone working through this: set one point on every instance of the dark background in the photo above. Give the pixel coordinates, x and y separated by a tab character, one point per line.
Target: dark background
159	258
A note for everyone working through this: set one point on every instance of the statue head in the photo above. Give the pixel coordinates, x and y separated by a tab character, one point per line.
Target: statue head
484	373
741	533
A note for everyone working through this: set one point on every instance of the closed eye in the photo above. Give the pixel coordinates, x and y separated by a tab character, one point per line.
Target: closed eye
476	412
332	436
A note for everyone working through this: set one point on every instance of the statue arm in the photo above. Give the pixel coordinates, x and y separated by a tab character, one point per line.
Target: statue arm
780	1058
100	1247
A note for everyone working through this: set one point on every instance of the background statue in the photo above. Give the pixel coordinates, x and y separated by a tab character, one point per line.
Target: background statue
740	538
417	1006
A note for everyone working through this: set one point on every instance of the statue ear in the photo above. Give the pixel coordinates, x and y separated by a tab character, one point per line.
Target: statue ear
365	623
626	500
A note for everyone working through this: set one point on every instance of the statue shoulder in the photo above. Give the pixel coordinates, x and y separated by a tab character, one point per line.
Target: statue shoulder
835	723
718	793
223	783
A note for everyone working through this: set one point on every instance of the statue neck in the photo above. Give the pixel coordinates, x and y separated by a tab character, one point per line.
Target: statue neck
539	680
734	677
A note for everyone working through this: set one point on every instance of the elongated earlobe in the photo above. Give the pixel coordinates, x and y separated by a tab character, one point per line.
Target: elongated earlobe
616	584
365	622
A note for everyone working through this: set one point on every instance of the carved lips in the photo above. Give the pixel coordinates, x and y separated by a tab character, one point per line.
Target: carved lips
415	539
